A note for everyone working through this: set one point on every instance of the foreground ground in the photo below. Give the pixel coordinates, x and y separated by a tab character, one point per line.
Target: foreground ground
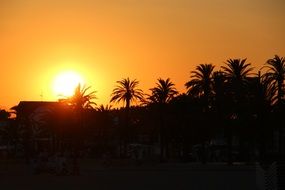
17	175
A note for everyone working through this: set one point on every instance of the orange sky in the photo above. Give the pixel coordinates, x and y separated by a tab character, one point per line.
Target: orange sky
144	39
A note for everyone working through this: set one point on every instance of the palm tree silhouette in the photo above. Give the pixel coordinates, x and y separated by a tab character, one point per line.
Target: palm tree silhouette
81	99
201	82
79	102
264	94
126	91
162	94
236	72
276	75
201	86
218	89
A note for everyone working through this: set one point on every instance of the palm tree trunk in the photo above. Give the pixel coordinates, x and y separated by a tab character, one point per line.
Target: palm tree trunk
230	145
162	140
162	134
124	132
280	146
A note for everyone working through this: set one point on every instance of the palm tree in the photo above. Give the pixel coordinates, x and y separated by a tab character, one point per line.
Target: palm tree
276	75
218	89
79	102
201	86
264	94
127	91
164	92
236	72
81	99
220	102
201	82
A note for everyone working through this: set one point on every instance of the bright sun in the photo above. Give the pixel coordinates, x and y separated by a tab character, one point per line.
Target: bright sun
65	83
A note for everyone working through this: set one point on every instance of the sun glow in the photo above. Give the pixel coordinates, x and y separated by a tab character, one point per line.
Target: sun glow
65	83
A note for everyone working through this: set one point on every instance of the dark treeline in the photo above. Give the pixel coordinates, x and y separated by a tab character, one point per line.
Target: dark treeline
227	114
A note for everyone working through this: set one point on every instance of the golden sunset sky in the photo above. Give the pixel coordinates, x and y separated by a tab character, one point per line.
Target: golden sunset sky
105	41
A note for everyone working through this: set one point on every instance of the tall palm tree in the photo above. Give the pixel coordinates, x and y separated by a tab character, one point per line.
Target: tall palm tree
276	75
201	86
201	82
127	91
81	99
236	72
163	92
264	94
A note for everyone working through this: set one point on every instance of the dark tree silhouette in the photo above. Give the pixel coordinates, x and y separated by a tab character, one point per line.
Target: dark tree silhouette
201	80
79	102
81	99
201	86
201	83
126	91
236	72
219	90
276	75
161	94
262	98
